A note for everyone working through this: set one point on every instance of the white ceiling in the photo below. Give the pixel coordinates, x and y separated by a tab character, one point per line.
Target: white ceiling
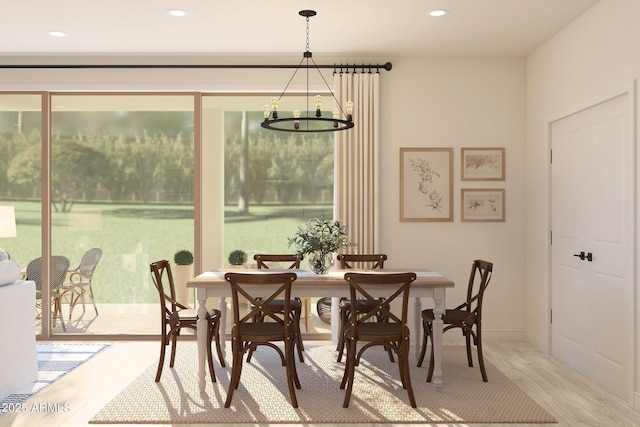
374	28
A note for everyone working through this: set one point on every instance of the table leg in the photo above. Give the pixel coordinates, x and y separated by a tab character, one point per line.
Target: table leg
335	318
417	325
201	332
222	306
438	311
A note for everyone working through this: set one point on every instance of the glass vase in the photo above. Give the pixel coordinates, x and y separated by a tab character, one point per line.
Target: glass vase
321	263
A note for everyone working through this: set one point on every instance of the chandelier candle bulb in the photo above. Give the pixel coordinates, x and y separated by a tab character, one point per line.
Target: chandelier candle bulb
318	105
267	112
274	107
349	105
296	115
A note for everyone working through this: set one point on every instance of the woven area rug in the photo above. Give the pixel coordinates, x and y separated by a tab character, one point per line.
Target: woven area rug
54	362
378	396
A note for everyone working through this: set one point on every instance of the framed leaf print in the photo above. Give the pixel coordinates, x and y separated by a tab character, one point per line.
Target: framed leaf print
482	164
426	184
486	205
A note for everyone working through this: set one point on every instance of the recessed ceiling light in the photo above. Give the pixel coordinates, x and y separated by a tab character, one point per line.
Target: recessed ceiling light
176	12
438	12
56	33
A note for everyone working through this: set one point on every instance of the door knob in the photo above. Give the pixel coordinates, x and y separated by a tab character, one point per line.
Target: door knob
581	255
590	257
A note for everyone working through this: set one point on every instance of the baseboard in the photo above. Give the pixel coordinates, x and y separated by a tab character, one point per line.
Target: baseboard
487	336
537	342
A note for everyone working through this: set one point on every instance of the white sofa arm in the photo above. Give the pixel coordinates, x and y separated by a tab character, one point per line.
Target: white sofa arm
9	272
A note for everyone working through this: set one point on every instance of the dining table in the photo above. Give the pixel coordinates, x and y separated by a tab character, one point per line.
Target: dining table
428	284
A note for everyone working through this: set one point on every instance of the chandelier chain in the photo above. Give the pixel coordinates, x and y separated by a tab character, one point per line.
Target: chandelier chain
307	34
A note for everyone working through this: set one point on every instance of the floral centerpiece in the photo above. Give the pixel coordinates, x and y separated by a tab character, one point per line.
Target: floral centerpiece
319	239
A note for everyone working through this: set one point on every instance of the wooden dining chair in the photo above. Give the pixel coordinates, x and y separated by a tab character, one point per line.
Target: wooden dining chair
467	317
361	261
293	262
392	334
265	261
247	334
175	316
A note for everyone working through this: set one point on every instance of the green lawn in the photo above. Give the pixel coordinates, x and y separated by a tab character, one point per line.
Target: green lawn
133	235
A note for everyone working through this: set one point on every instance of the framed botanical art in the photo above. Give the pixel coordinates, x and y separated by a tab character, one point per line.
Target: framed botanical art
426	184
482	164
486	205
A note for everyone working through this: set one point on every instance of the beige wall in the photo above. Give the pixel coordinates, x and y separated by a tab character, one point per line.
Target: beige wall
459	102
426	102
594	55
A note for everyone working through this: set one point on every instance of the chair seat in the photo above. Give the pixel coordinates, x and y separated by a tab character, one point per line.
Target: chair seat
360	304
295	303
262	331
191	314
70	285
452	316
377	331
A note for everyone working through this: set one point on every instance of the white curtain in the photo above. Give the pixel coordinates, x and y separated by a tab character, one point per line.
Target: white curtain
356	160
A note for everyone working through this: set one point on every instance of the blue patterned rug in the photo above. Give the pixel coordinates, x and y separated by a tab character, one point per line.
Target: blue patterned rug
54	362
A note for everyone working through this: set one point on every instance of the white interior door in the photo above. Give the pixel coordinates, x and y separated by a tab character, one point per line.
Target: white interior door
592	243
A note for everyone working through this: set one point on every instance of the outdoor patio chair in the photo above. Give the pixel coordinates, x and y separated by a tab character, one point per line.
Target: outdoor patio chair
175	316
59	267
80	280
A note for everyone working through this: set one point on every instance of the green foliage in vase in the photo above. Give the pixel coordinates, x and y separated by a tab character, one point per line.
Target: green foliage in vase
320	235
237	257
183	257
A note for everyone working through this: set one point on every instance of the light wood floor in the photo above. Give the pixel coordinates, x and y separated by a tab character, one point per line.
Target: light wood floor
569	397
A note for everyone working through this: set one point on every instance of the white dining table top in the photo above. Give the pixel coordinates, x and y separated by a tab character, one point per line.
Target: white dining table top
424	277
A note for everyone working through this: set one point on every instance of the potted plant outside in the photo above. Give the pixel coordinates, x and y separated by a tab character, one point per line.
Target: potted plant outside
183	273
237	257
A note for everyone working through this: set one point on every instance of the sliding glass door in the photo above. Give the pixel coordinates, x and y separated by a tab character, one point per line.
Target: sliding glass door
130	180
122	185
20	173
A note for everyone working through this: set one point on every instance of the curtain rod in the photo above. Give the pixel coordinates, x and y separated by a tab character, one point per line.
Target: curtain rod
387	66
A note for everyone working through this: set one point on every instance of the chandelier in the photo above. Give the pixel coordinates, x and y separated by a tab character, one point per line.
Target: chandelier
311	121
